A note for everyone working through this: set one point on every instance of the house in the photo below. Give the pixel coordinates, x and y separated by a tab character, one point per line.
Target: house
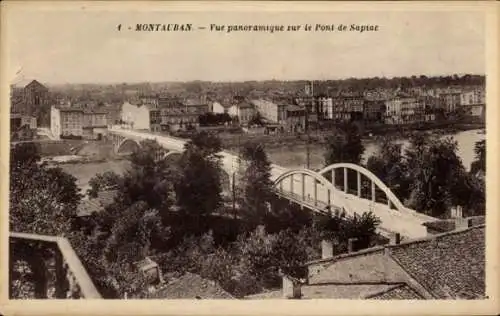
448	265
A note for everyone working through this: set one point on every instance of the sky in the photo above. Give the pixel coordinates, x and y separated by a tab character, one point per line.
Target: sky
81	46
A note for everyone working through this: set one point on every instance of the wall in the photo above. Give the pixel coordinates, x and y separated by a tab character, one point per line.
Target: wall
55	122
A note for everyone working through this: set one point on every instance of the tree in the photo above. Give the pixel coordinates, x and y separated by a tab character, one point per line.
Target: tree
198	188
151	178
43	200
437	173
101	182
341	227
256	186
344	146
479	164
389	165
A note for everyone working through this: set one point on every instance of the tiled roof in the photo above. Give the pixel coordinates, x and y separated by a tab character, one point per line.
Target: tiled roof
399	292
331	291
450	265
191	286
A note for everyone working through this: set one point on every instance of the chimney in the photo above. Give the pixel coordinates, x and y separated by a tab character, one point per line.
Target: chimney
462	223
291	287
350	244
326	249
395	239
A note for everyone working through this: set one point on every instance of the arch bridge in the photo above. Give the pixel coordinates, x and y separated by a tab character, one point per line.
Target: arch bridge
339	186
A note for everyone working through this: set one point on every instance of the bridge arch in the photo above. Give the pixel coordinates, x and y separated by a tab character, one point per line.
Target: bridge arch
375	181
304	195
127	143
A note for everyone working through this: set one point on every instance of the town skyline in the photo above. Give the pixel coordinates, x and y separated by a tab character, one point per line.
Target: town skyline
423	43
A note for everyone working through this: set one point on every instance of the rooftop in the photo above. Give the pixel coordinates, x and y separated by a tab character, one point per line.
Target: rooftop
191	286
450	265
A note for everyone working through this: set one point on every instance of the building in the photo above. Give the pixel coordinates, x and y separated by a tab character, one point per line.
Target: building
71	122
295	120
244	111
403	109
373	110
348	107
450	101
325	107
272	112
66	122
135	115
448	265
176	115
31	93
217	108
95	124
18	120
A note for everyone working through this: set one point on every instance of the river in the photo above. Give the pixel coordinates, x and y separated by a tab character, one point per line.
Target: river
289	157
295	156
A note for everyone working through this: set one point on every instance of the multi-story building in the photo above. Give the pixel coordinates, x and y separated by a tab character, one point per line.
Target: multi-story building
348	107
272	112
373	110
403	109
325	107
66	122
242	110
450	100
77	122
95	124
175	114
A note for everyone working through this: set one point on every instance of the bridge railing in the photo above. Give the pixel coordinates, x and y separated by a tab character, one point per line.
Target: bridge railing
71	278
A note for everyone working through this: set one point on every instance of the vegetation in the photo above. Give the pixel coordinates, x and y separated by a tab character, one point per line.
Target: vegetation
255	184
344	146
168	212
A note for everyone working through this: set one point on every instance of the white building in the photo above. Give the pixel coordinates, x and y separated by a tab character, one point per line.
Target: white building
216	108
135	116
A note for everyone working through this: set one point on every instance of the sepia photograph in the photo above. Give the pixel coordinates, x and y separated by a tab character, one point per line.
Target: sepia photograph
246	154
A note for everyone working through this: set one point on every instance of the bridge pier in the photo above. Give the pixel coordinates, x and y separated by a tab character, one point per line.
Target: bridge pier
373	191
303	186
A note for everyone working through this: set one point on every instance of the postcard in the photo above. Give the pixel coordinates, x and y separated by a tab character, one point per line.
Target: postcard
249	158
